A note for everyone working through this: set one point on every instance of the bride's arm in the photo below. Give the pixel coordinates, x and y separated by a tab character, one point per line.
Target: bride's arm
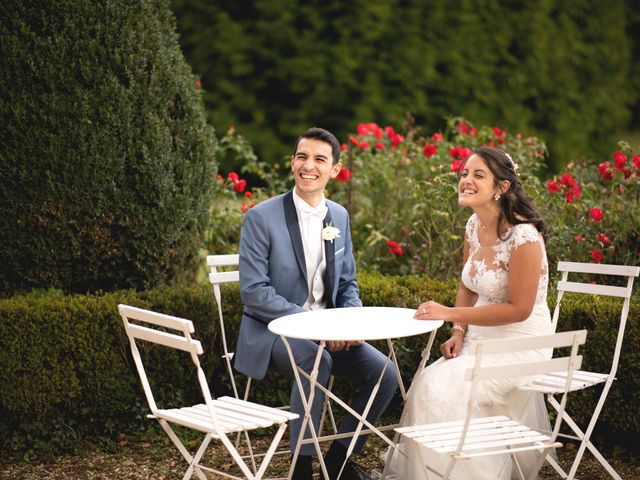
464	298
525	268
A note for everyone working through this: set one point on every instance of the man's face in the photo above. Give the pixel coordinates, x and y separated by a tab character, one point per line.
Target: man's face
313	167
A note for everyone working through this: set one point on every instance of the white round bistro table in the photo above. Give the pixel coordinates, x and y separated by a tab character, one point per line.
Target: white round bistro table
357	323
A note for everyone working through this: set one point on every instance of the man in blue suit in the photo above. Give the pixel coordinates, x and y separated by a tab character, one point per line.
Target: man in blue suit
286	267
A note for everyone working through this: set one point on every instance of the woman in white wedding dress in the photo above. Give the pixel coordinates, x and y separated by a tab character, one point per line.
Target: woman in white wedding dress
502	293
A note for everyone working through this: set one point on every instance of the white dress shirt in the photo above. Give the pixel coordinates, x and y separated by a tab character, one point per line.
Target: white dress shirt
310	220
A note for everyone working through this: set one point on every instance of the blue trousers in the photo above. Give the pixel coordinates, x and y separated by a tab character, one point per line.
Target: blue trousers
362	365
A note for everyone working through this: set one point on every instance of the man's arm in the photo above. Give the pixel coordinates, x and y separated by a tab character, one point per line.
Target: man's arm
256	291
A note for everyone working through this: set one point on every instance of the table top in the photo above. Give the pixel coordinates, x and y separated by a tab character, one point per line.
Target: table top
355	323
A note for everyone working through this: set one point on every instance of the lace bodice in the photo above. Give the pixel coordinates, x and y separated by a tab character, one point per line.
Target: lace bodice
486	271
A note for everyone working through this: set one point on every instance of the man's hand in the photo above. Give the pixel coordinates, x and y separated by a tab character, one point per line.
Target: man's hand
452	347
338	345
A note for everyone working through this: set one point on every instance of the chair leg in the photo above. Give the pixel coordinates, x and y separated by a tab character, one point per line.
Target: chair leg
326	408
585	441
246	434
196	459
271	450
183	451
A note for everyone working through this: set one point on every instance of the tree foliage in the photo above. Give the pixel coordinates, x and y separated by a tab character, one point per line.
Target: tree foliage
106	156
556	69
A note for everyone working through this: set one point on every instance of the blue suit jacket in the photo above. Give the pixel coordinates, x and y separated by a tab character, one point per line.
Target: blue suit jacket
273	275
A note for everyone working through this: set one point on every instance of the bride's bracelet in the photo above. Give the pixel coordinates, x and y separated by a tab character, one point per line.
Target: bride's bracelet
458	330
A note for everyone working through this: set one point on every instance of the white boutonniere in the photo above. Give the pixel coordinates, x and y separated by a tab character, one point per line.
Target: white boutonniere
330	233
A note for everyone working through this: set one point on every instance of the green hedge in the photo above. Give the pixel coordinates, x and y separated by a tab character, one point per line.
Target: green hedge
66	373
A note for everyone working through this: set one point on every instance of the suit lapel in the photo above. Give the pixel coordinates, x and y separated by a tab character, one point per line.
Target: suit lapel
330	268
293	226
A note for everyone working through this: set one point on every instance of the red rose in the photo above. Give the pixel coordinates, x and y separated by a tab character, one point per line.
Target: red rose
248	194
567	180
569	196
459	152
576	190
354	140
396	140
553	187
579	238
619	158
363	145
463	128
597	256
473	131
233	176
198	83
343	146
244	207
429	150
636	161
437	137
363	129
394	248
596	214
220	179
603	238
497	132
455	165
377	132
604	171
239	186
390	131
344	175
379	145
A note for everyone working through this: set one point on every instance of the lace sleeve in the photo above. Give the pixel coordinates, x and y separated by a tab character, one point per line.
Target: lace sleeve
522	234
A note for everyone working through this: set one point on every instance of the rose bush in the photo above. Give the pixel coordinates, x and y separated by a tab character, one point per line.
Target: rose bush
600	223
401	190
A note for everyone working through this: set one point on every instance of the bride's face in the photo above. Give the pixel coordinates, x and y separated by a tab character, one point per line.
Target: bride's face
477	184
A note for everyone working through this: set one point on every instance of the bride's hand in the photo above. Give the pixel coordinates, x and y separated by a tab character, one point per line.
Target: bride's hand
432	311
452	347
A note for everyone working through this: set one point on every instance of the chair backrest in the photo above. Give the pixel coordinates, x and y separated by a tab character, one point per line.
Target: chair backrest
178	337
567	363
601	270
224	269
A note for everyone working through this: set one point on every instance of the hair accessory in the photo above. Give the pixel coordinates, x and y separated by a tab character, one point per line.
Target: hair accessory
514	165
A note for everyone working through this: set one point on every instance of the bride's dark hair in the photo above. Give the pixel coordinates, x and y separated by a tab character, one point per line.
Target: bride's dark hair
515	205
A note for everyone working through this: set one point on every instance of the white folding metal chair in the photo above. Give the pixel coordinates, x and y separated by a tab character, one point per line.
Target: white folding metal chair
500	435
224	269
216	418
552	384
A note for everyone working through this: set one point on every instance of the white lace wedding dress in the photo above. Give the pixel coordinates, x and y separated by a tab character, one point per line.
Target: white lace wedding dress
439	392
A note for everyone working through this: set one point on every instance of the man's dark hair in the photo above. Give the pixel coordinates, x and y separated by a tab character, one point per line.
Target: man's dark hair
323	135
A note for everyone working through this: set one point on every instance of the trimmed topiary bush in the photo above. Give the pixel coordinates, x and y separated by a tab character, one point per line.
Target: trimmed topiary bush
105	154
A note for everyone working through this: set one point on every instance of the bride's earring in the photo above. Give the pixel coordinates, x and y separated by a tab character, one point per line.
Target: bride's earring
496	197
